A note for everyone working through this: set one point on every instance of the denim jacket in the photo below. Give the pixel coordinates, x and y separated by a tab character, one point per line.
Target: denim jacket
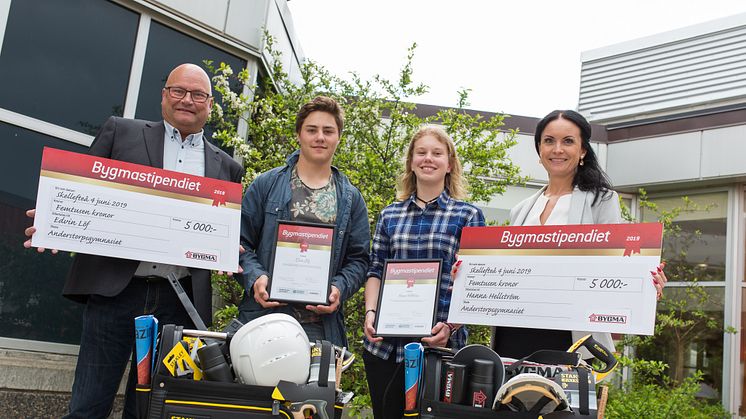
266	201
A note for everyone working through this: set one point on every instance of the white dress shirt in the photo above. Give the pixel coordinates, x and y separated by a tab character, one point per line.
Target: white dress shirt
185	155
559	216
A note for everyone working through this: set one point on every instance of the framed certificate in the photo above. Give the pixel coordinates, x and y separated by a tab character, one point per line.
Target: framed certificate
408	298
301	263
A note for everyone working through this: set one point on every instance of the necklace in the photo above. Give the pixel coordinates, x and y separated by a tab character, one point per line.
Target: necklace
295	175
426	202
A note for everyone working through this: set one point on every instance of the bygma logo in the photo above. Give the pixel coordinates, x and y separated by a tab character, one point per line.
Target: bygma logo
190	417
449	387
548	371
608	318
201	256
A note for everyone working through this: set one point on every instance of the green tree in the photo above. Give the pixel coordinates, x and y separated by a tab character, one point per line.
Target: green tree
379	122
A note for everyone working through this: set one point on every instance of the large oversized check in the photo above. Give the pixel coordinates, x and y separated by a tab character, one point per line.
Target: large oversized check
107	207
569	277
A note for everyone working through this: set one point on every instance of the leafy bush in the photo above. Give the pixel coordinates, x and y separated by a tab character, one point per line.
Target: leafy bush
653	395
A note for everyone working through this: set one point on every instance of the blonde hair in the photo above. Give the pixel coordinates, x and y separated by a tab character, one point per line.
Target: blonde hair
454	181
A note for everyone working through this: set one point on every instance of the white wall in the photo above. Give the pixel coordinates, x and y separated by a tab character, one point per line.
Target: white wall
700	66
245	22
524	155
211	13
724	152
654	160
693	156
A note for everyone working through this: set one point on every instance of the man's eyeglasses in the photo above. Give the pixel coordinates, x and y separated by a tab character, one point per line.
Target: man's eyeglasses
179	93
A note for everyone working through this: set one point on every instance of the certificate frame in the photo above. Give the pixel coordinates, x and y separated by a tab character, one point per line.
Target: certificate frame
320	239
423	273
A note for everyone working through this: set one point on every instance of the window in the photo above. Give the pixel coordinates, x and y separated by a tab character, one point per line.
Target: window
31	304
695	251
697	343
168	48
68	62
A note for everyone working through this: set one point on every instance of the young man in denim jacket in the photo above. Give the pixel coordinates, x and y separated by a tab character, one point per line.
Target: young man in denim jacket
307	188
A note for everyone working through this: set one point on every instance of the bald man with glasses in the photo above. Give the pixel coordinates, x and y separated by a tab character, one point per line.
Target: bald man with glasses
114	290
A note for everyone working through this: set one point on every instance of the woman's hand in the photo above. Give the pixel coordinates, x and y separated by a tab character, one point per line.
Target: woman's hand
659	279
454	270
441	332
368	329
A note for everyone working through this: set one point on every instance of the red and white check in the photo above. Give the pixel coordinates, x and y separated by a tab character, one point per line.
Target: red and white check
106	207
568	277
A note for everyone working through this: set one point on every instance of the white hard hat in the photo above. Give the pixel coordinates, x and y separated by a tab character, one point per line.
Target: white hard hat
531	392
271	348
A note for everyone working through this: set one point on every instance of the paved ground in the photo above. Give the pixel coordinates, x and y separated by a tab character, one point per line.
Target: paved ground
48	404
41	404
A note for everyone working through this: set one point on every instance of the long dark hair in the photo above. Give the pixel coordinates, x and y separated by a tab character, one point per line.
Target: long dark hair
589	176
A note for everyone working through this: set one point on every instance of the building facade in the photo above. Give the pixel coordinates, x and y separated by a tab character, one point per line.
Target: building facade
669	115
65	67
674	107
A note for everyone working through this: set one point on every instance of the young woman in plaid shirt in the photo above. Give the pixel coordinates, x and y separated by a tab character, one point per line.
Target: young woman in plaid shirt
425	223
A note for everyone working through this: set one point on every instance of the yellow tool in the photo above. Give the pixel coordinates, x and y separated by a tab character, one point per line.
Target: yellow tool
600	352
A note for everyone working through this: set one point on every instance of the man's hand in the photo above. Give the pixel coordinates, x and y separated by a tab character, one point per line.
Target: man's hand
261	295
333	303
30	232
240	269
441	333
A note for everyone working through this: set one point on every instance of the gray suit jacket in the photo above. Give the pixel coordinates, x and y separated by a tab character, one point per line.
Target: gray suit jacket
141	142
582	211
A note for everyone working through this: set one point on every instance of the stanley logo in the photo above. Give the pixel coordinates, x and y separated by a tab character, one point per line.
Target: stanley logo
600	349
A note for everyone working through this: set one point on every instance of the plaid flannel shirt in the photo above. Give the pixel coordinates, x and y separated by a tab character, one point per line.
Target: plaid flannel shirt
406	231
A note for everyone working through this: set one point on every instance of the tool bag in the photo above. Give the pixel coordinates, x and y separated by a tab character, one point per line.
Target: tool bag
175	397
432	379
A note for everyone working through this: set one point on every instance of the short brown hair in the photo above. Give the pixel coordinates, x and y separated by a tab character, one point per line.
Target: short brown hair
321	104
